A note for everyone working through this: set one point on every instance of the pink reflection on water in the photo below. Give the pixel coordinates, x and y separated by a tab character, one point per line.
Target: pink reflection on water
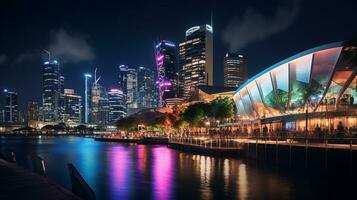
163	168
142	158
120	172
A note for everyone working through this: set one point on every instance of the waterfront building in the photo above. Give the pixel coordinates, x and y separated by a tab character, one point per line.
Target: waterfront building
51	91
196	59
98	96
146	88
235	70
204	93
132	90
103	109
72	107
316	88
166	61
87	97
11	106
117	105
32	111
128	84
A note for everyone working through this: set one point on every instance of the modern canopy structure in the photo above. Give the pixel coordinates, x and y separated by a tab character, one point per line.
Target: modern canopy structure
321	80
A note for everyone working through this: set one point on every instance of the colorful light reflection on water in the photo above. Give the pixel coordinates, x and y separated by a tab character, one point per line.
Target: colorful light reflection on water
123	171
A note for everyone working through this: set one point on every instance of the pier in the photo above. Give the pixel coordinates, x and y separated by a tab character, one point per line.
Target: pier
19	183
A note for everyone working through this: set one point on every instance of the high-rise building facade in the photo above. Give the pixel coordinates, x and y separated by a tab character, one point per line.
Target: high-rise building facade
117	105
32	111
98	99
235	70
87	98
51	91
11	107
132	90
146	88
103	109
196	59
128	83
72	106
166	61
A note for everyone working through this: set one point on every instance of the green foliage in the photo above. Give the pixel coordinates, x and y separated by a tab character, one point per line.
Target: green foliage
270	100
219	109
222	108
194	114
126	124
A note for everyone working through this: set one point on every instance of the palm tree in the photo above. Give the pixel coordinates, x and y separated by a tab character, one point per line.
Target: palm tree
311	92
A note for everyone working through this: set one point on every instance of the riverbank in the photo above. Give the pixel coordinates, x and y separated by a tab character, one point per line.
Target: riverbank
19	183
210	151
145	140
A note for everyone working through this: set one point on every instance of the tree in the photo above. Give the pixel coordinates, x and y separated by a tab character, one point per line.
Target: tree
310	94
194	113
222	108
126	124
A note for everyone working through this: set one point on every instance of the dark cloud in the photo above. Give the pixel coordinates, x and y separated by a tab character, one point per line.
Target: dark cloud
26	57
254	26
70	47
3	59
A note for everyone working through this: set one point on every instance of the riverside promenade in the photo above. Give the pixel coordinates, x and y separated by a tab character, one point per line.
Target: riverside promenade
19	183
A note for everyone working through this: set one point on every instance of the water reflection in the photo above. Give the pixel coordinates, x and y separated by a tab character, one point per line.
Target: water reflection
242	182
205	176
163	169
122	171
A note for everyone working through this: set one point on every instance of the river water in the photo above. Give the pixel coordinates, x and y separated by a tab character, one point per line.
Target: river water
129	171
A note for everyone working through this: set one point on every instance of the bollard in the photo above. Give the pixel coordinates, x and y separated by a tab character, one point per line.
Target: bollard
38	165
12	157
79	185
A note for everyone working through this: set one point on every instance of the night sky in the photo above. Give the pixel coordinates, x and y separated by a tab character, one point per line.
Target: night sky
83	35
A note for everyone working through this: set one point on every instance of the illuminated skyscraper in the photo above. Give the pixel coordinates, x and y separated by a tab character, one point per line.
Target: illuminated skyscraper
87	98
51	91
97	94
128	83
196	59
72	106
146	88
103	109
166	59
11	112
235	70
117	108
32	111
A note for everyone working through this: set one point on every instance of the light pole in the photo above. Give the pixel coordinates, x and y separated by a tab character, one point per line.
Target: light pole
86	98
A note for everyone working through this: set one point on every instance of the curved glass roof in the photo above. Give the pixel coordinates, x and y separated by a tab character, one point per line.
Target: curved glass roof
287	87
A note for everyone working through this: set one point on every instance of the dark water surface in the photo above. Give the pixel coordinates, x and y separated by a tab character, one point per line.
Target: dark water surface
128	171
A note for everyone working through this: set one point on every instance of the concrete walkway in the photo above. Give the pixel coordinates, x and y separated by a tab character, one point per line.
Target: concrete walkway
19	183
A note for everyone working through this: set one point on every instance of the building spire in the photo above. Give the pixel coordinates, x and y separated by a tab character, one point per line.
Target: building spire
49	54
95	77
212	19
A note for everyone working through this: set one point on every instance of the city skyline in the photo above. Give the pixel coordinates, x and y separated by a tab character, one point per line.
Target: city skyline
108	53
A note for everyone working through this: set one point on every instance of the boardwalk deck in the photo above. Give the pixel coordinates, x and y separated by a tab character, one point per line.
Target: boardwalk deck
19	183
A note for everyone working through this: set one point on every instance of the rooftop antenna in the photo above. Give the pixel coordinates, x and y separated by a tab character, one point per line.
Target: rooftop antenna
95	76
49	54
212	19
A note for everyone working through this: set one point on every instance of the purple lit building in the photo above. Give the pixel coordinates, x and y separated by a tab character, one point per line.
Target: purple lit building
167	80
